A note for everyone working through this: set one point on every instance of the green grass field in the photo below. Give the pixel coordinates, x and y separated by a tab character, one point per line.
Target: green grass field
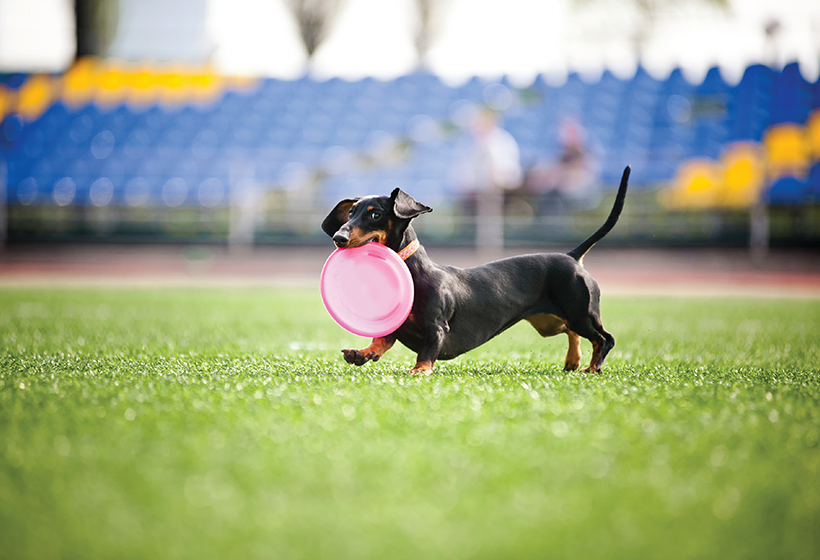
223	423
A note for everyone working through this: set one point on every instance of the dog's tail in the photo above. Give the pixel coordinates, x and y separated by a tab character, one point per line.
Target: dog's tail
581	250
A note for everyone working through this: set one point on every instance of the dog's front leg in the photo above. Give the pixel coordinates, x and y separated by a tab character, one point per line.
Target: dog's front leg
429	352
373	352
422	366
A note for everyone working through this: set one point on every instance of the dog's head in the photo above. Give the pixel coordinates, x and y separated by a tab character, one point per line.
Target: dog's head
383	219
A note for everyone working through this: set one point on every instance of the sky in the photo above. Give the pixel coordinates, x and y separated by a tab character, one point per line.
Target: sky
491	38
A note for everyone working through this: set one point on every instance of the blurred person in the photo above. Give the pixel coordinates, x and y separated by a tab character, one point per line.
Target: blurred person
572	181
489	165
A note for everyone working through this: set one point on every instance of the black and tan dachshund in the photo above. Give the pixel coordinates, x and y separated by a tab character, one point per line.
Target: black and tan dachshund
456	310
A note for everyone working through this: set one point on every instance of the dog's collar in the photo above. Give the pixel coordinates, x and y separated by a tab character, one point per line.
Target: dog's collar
408	251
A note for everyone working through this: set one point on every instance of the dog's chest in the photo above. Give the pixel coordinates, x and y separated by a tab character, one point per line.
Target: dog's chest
410	333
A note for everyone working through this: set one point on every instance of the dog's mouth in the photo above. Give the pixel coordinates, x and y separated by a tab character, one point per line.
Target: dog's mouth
356	243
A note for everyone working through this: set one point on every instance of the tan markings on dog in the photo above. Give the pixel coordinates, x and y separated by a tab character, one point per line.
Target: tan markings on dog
550	325
595	362
424	367
379	346
573	360
411	327
358	236
547	325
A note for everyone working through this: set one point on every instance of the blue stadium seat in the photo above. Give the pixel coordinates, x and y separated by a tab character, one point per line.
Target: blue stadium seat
56	117
673	108
752	110
12	80
603	101
272	88
713	83
815	98
117	169
153	167
814	182
713	97
17	169
677	84
792	96
709	139
472	90
10	131
787	191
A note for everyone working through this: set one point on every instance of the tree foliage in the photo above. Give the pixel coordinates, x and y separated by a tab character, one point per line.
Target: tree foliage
314	18
430	15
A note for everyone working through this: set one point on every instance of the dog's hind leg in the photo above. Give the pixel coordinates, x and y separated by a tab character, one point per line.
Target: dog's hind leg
573	360
602	343
549	325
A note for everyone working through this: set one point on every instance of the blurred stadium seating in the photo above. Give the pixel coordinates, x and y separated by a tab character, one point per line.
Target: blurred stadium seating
133	139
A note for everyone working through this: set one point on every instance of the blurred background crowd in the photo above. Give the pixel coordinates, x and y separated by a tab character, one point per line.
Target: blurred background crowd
139	133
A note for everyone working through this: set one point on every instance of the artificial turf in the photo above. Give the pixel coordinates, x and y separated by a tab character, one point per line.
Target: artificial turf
223	423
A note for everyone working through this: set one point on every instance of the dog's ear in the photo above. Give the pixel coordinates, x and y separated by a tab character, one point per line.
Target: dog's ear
338	216
405	206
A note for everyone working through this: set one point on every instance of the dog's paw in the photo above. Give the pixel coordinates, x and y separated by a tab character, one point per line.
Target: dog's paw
422	368
356	358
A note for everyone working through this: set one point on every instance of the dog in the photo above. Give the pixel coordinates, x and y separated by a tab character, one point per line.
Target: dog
456	310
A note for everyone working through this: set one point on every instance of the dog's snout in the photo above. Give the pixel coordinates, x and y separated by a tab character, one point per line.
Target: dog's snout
341	239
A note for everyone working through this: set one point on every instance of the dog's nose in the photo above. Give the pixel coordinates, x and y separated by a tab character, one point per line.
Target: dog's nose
341	239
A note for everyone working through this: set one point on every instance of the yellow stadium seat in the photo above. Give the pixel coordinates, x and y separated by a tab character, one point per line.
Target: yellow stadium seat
8	100
143	82
112	83
744	174
697	184
207	87
787	150
813	134
35	96
79	81
174	88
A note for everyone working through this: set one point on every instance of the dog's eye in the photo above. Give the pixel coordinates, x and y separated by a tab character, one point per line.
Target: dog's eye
375	216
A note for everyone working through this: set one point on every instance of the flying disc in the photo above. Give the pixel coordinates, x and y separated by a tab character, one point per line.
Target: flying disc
368	289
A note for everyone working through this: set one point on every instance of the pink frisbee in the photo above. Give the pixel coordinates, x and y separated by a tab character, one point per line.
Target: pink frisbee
368	290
